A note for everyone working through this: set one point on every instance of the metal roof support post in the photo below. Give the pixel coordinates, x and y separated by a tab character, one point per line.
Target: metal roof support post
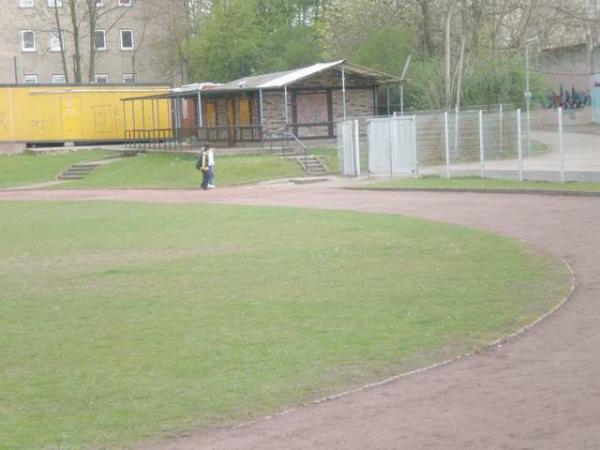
200	115
144	114
178	115
285	96
125	121
344	90
387	94
133	122
261	111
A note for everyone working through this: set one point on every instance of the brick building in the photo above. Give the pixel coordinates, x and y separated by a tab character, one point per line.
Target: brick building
131	37
306	102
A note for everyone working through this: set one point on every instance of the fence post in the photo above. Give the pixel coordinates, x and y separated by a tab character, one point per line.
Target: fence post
447	145
561	148
356	148
520	144
393	144
414	143
501	137
481	149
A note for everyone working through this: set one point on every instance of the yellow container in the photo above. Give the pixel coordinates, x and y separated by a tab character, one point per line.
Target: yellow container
77	113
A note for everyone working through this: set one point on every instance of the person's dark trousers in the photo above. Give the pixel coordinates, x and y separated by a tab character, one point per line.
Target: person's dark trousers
205	179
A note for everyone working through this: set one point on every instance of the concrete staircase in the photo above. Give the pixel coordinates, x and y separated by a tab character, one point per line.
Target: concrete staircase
313	165
83	169
78	171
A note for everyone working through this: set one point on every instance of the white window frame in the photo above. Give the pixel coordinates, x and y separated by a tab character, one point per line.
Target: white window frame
31	78
99	3
101	49
54	38
129	76
127	30
26	4
56	77
125	3
32	49
98	76
55	3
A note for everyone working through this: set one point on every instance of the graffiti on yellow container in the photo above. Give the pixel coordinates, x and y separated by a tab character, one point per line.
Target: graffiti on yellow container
79	113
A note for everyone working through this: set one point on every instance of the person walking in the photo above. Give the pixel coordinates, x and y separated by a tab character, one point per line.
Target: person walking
202	165
210	162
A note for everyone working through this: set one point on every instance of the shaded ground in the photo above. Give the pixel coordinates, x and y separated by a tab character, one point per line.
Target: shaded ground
541	390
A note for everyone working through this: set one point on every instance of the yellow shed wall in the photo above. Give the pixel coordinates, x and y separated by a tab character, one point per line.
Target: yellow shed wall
46	114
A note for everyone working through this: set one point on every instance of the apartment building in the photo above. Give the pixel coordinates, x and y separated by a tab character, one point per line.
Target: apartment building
134	41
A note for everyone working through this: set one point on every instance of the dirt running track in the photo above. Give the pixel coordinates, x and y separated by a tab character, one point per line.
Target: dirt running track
540	391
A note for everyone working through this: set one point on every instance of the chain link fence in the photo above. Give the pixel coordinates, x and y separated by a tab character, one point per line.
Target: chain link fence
551	145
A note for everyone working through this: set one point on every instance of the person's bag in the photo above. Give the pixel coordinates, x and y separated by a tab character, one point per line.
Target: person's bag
199	164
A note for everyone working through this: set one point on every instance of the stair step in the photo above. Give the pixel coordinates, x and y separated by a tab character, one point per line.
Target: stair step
70	177
78	170
86	165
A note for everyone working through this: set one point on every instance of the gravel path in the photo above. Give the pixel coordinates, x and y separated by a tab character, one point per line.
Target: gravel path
539	391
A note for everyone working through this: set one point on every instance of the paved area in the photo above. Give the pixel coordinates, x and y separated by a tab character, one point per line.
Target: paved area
539	391
581	160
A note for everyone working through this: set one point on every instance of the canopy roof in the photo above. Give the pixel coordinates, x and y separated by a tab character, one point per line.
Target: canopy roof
280	80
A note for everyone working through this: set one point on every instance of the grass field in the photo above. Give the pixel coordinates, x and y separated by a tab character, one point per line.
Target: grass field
123	321
482	183
24	169
163	170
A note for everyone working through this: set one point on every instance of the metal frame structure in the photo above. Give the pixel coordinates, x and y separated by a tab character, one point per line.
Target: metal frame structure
252	86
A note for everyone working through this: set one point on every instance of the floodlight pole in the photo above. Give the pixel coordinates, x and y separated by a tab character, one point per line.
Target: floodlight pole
344	90
402	78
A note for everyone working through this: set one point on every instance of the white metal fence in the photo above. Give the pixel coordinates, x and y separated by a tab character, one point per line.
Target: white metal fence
554	145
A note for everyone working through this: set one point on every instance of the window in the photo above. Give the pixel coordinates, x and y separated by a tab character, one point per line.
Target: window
55	3
100	39
125	2
101	78
58	79
129	78
28	41
26	3
55	44
99	3
126	39
31	79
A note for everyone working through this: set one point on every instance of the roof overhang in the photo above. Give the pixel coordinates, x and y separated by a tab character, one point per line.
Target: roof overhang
281	82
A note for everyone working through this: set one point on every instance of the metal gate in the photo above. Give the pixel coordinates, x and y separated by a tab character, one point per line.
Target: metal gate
392	145
348	148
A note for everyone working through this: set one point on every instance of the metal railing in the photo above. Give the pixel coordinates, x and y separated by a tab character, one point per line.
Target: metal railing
286	138
156	139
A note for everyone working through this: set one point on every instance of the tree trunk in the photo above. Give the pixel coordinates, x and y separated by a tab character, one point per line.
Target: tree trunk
427	31
447	80
59	30
92	18
76	43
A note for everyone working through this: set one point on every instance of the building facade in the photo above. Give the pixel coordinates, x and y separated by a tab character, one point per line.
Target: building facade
134	42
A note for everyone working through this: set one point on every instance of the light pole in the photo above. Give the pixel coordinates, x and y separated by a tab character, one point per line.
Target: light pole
528	95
